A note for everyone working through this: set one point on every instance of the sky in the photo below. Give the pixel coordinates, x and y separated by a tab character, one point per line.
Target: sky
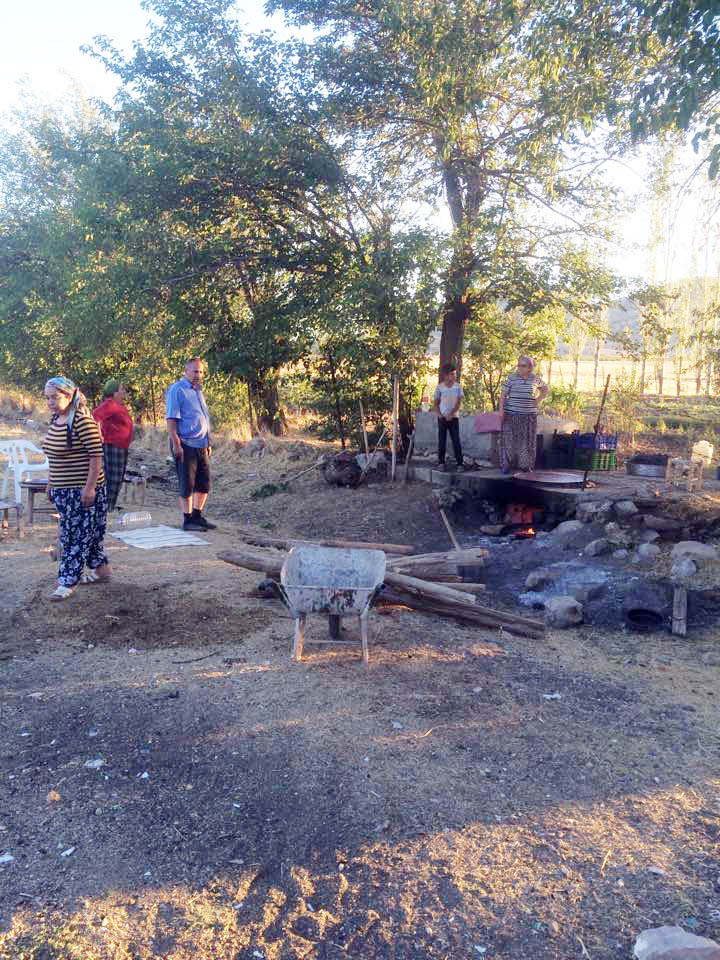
40	48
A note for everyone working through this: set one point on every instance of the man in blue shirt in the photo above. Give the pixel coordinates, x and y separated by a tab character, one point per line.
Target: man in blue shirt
188	423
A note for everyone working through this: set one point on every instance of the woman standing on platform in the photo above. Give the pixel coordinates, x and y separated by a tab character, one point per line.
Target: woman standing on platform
518	416
76	486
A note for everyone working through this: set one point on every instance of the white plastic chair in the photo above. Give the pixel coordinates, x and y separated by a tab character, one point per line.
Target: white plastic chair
19	464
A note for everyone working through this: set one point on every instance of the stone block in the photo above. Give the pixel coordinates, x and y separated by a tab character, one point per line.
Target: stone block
564	612
701	553
674	943
625	509
597	547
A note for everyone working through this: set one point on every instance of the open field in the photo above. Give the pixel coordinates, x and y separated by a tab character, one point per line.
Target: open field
433	806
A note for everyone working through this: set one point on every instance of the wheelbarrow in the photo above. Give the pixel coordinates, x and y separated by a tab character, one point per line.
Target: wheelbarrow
340	583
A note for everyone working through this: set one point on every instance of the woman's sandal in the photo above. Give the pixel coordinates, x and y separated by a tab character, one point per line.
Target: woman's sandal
89	577
62	593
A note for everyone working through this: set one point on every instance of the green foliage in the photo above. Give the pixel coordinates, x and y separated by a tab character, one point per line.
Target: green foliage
564	401
624	404
495	340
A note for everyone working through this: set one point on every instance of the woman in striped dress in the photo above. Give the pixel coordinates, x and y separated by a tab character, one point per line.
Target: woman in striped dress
76	486
518	414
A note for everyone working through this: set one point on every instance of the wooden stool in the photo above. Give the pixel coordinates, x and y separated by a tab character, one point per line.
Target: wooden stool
6	506
34	487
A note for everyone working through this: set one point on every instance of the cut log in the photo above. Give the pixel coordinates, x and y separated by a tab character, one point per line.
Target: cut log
679	614
425	588
470	587
265	563
467	555
281	543
463	613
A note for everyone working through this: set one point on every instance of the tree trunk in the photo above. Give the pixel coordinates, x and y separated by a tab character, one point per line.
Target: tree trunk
576	372
455	316
251	413
550	366
643	367
336	397
269	413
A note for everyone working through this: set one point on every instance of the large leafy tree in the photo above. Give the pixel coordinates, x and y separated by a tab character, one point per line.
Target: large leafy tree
490	104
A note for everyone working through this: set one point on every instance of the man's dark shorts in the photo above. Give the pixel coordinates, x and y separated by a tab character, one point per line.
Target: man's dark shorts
193	471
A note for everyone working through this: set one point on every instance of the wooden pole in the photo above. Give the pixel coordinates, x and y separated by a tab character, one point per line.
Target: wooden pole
395	416
597	428
364	429
679	616
407	458
453	538
372	457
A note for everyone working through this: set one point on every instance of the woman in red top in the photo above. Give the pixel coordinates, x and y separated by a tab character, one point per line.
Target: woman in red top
117	430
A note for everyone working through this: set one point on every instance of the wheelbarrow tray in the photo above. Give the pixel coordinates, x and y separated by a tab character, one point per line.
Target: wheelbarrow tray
339	582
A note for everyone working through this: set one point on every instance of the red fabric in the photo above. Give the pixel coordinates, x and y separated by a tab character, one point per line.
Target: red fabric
115	423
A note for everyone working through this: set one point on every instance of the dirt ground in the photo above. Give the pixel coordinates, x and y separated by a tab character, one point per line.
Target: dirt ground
469	795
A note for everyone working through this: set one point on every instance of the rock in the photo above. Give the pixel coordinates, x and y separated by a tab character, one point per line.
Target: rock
621	554
543	575
563	612
585	592
568	528
711	659
597	547
625	509
701	553
648	552
674	943
648	536
683	569
661	523
615	534
588	511
492	529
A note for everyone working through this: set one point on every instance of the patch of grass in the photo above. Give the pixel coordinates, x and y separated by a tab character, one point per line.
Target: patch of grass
269	490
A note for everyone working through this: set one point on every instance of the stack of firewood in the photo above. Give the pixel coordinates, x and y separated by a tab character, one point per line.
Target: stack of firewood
429	582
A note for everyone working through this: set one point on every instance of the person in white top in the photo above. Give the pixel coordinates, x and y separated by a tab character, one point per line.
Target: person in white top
448	397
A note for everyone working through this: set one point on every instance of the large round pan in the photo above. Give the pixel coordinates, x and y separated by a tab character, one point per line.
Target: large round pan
557	478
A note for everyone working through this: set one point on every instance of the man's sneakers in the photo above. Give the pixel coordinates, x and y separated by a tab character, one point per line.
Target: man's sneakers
196	521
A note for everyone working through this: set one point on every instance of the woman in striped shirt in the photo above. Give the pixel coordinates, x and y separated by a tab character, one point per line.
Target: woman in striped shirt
518	414
76	486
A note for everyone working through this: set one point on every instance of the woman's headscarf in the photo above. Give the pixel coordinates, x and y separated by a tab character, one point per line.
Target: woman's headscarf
78	401
528	360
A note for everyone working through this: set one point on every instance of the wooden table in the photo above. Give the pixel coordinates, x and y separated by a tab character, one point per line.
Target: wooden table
34	487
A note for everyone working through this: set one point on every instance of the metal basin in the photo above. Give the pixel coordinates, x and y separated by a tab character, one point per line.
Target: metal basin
329	580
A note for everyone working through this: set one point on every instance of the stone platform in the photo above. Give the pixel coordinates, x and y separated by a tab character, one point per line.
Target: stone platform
491	484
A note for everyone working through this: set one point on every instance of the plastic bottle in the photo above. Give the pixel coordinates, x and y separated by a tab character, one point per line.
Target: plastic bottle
131	521
425	403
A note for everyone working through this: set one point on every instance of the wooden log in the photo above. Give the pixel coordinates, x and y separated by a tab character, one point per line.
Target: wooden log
425	588
472	556
263	563
283	543
470	587
679	615
453	538
465	614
